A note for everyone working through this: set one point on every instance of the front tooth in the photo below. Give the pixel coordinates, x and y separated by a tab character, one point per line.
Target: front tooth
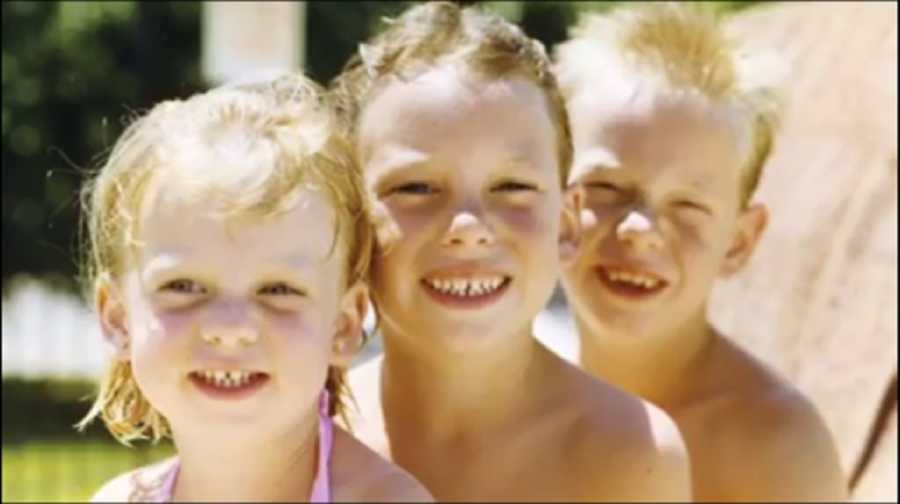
219	376
459	286
475	289
446	286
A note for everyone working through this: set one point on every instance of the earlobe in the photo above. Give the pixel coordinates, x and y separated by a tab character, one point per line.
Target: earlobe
570	226
348	335
751	224
113	318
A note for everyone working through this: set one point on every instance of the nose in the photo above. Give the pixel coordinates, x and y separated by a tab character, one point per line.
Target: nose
230	327
639	231
466	229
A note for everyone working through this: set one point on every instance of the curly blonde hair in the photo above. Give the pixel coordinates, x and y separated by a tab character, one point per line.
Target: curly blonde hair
678	46
291	134
436	33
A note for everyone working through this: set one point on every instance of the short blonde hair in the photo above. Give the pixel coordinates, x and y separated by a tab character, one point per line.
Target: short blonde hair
682	46
295	143
435	33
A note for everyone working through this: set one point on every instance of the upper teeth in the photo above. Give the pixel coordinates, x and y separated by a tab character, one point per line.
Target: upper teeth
633	278
466	286
225	378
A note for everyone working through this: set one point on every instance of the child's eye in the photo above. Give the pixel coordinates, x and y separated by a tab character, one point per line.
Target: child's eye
691	205
280	289
514	186
602	185
183	286
417	188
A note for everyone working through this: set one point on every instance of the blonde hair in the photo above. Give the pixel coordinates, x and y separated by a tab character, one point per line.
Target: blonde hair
684	47
435	33
287	126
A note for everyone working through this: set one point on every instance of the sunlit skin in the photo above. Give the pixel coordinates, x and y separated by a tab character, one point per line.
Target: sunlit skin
663	219
465	178
202	291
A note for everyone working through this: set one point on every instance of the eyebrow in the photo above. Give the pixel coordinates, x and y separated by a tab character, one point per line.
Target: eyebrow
598	158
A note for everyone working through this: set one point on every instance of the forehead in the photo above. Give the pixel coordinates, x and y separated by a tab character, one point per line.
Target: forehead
637	126
446	106
176	218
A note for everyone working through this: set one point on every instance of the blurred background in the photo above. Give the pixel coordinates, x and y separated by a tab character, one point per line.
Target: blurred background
818	301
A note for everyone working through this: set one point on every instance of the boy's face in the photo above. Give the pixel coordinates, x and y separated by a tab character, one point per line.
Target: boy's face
662	215
465	175
203	295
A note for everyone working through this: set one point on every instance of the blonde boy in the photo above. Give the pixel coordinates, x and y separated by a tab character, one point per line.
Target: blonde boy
464	143
671	128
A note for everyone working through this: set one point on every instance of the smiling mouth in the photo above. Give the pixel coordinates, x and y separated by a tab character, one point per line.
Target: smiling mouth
232	384
631	283
469	292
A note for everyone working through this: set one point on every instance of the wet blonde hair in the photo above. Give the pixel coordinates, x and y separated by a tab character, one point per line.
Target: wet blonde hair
436	33
680	47
286	130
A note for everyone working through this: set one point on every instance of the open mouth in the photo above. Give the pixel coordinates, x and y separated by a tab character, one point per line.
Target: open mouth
231	384
467	292
631	283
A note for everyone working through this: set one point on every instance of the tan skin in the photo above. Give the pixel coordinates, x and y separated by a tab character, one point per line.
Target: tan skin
660	175
465	177
203	292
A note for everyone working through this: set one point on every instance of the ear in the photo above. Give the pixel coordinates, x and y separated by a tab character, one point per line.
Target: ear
570	226
751	223
113	318
348	336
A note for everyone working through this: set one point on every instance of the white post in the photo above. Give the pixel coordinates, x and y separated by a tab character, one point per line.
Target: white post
252	40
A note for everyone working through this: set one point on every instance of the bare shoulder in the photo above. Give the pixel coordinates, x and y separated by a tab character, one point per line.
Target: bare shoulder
635	445
782	438
777	440
363	475
136	485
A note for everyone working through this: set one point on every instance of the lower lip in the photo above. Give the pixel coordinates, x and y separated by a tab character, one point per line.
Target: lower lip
467	302
230	393
628	291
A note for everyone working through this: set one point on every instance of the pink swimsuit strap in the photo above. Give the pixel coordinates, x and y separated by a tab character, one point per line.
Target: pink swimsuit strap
321	487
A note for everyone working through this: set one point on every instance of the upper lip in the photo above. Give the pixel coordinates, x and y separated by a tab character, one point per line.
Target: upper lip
466	271
636	269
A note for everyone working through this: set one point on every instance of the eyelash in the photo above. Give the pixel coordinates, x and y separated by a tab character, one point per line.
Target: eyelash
287	290
691	205
602	185
412	188
514	186
178	285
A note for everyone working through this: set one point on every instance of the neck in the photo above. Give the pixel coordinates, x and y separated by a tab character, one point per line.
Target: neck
661	367
278	468
447	395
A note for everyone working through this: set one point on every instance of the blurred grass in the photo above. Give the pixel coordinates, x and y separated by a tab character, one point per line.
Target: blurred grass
68	470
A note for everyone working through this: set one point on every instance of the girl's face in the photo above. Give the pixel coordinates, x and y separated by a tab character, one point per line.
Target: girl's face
230	326
465	177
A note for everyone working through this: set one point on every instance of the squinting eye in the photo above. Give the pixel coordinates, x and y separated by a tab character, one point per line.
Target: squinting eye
419	188
602	185
183	286
280	289
514	186
690	205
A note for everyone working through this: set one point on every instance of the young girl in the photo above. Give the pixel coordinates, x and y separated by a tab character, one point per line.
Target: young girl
465	148
229	241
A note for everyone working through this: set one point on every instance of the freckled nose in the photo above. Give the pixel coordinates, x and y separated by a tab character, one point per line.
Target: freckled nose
467	229
230	337
638	230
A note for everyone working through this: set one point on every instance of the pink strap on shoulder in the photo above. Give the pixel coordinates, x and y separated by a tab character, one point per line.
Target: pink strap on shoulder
321	488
